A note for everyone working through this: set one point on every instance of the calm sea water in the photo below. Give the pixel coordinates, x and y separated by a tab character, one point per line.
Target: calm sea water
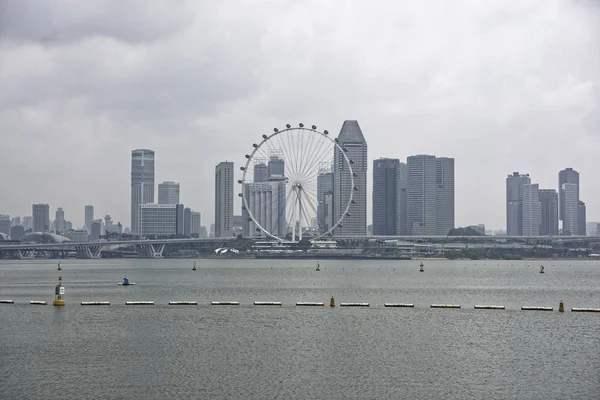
247	351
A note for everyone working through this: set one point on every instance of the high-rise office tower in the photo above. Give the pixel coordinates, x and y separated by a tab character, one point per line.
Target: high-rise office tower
389	197
224	199
276	166
187	221
444	180
350	138
28	222
95	230
571	208
266	202
531	210
180	219
168	193
59	220
422	195
324	198
549	212
261	172
89	217
196	224
514	203
41	218
581	219
5	225
142	184
158	219
567	175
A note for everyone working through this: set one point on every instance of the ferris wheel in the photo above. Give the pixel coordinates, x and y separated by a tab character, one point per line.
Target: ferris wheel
287	185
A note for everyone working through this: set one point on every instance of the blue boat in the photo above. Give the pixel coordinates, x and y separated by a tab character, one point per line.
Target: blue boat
126	282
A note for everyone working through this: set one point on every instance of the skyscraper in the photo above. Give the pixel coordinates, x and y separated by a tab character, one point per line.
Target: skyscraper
261	172
266	202
168	193
187	221
549	212
224	199
41	218
350	138
89	217
158	219
571	208
389	190
531	210
581	219
142	184
276	166
324	198
59	220
514	203
422	195
196	224
444	179
567	175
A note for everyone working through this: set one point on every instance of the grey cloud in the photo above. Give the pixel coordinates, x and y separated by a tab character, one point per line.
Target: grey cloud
61	22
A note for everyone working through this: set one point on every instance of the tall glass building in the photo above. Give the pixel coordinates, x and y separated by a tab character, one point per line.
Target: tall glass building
142	184
352	139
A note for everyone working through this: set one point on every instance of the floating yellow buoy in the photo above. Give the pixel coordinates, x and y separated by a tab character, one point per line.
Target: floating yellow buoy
561	306
59	292
331	302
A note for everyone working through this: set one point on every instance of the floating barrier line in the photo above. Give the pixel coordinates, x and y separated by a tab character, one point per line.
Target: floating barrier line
7	302
488	307
267	303
354	304
579	309
183	303
445	306
40	303
95	303
309	303
531	308
139	303
398	305
225	303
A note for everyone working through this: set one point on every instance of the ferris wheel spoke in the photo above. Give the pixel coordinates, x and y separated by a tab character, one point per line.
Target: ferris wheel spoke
314	162
311	156
286	155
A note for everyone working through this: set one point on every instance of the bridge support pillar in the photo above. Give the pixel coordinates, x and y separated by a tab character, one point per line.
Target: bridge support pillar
150	250
89	251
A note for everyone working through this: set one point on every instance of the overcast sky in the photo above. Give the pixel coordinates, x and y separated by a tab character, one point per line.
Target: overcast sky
501	86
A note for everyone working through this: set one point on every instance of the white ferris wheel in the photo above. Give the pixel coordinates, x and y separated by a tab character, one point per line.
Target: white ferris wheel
287	185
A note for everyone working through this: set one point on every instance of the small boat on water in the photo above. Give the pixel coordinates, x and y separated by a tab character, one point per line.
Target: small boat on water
421	268
126	282
59	268
194	267
318	266
541	269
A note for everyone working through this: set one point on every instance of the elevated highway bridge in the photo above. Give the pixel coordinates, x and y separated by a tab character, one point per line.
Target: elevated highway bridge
153	248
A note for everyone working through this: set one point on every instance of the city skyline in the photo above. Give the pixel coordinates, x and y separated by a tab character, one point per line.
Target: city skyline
471	89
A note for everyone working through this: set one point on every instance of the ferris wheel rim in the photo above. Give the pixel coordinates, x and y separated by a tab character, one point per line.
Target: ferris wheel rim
265	139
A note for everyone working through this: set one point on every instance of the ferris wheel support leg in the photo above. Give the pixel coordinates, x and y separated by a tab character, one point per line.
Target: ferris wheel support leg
299	215
294	223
